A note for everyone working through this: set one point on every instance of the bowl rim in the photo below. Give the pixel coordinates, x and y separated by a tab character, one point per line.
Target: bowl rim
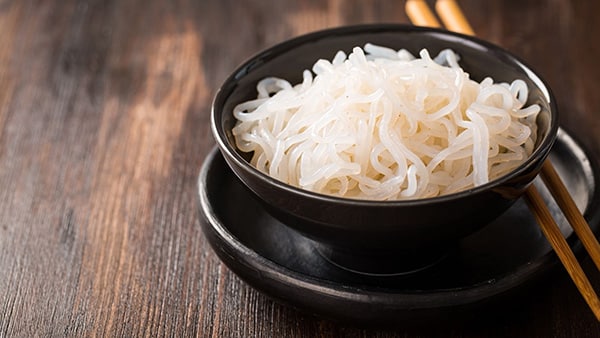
259	58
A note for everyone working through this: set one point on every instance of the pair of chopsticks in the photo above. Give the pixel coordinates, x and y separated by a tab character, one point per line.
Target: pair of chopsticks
454	20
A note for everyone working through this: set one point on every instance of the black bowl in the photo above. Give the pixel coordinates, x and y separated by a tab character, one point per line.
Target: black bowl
359	234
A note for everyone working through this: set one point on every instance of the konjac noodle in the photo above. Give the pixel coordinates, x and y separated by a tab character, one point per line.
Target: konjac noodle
381	124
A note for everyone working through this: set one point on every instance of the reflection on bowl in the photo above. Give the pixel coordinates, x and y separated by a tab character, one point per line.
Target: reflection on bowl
363	235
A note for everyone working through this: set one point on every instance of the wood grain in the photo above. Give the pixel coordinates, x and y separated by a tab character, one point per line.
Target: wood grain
104	111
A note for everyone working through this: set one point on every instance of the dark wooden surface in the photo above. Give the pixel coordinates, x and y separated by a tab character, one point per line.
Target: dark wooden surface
104	111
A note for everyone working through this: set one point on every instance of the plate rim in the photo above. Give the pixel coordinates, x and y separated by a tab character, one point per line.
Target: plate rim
254	265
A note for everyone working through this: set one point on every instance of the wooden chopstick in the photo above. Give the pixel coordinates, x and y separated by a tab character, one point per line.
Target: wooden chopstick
561	247
571	212
453	17
419	14
454	20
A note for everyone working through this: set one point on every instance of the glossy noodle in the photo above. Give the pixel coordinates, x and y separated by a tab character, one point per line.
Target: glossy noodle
381	124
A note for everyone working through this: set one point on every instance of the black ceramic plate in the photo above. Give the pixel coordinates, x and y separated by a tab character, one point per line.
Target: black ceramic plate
488	265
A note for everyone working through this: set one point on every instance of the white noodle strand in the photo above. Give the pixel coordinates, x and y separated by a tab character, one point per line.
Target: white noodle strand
381	124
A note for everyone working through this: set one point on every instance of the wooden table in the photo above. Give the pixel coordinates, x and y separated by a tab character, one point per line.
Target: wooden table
104	124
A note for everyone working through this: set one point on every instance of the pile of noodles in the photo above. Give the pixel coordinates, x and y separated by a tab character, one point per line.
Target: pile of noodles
380	124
